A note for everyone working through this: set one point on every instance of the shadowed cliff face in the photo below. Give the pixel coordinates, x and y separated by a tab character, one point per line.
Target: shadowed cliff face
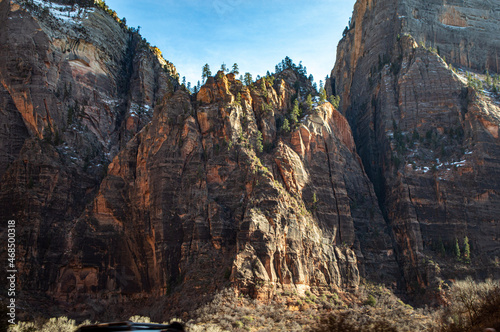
428	142
466	32
73	91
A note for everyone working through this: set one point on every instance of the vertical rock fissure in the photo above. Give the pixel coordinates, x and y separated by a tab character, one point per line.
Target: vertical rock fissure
411	199
333	190
379	180
123	85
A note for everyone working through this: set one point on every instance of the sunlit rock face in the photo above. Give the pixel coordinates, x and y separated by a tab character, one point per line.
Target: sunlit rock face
191	203
125	186
429	143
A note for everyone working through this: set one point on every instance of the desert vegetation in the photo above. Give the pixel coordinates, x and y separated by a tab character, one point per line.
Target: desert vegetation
467	306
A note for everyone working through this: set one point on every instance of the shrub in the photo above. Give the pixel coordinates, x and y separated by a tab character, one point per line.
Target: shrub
140	319
371	301
335	100
474	306
23	327
350	321
258	144
59	324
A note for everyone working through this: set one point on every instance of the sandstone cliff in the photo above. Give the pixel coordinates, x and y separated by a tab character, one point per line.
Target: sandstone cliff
75	87
429	142
191	204
125	186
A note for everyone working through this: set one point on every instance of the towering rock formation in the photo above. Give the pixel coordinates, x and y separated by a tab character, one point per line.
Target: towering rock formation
125	186
429	142
201	192
75	86
192	201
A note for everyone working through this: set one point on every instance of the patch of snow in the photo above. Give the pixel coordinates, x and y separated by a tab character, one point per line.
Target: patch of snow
65	13
453	27
109	100
458	163
136	109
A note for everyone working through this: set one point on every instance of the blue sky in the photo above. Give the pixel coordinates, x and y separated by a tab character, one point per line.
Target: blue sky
256	34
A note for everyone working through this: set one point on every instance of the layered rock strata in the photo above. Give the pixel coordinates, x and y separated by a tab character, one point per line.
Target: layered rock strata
201	192
75	86
191	203
428	142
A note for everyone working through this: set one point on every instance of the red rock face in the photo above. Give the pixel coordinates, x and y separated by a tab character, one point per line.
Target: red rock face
127	187
428	142
189	202
71	95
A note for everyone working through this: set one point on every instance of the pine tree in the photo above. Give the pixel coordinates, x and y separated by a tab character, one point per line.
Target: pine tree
223	68
322	95
295	114
466	250
335	101
184	80
206	73
248	79
457	250
235	70
309	102
441	248
286	126
263	85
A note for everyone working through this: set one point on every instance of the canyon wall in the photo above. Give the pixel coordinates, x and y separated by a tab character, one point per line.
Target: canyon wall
428	140
124	186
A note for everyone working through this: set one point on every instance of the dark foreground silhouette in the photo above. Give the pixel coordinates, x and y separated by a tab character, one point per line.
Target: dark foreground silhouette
130	326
